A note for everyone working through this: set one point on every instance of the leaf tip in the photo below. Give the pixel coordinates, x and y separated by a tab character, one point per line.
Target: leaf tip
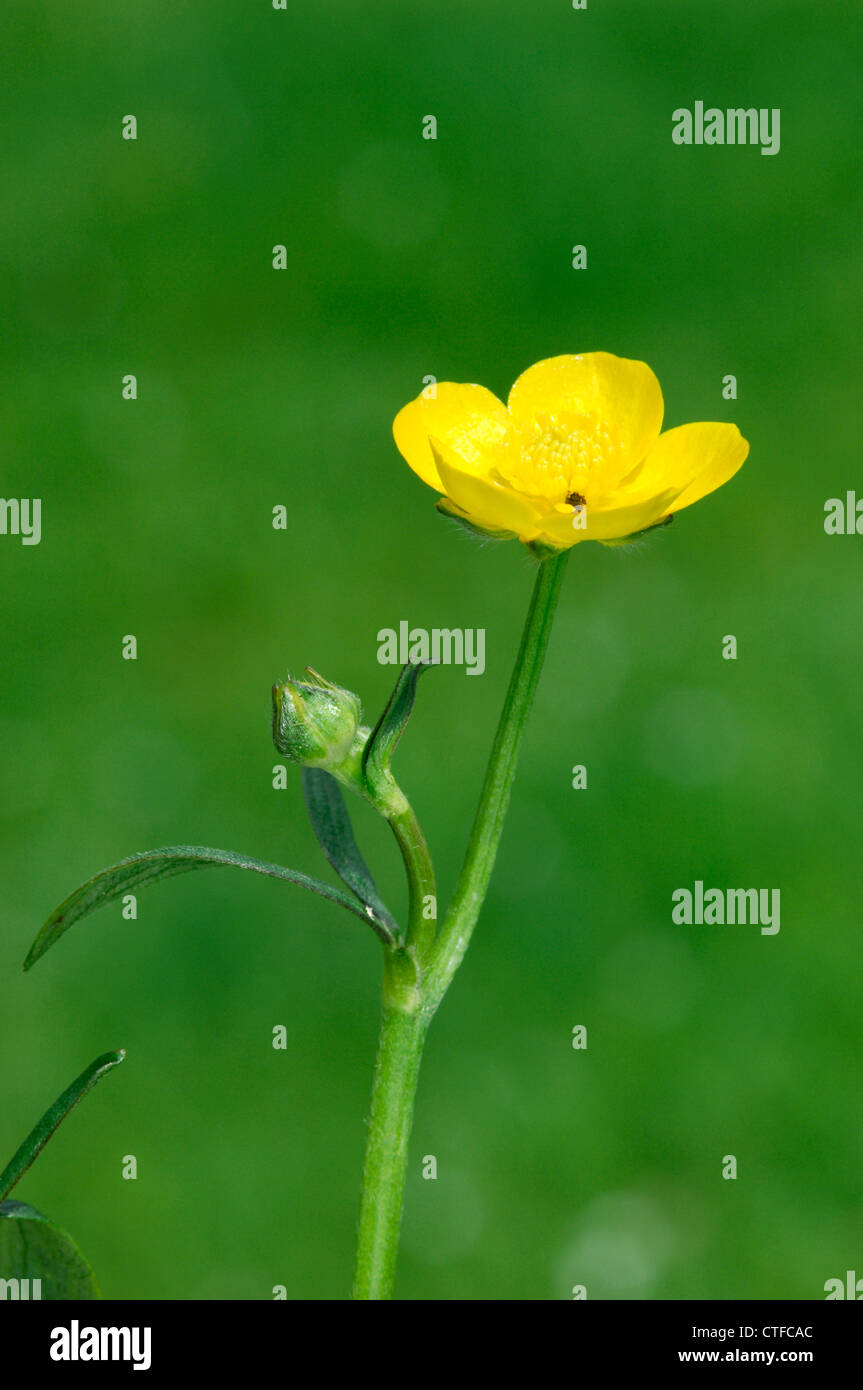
38	949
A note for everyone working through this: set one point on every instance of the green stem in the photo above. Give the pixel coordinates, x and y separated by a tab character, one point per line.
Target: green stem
411	994
485	836
396	1071
421	879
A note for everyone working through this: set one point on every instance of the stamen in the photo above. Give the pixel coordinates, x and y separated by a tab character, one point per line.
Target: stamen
556	455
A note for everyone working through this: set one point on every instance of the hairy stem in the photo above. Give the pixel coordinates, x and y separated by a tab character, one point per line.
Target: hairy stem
421	880
412	992
485	836
396	1071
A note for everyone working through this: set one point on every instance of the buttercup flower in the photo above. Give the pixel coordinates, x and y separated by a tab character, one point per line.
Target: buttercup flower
575	454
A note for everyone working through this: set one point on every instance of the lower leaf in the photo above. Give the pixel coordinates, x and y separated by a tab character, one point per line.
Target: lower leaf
38	1260
156	864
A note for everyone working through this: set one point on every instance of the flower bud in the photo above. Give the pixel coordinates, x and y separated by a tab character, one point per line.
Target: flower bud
314	722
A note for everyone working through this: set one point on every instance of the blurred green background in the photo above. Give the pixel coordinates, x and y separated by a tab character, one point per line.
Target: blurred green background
408	257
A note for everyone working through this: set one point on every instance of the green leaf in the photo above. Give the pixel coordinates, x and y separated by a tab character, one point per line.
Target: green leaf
33	1248
332	825
156	864
383	740
54	1115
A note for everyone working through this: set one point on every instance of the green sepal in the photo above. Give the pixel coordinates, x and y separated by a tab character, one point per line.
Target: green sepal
154	865
487	533
331	823
636	535
543	551
33	1248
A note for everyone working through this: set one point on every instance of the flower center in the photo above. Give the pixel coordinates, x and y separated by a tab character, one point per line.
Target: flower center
562	457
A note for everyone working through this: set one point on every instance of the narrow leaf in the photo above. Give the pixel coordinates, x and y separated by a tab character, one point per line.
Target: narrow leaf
382	743
54	1115
43	1260
332	825
156	864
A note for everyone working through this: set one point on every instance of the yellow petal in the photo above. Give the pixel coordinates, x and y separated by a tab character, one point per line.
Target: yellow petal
694	460
488	504
468	419
612	523
622	393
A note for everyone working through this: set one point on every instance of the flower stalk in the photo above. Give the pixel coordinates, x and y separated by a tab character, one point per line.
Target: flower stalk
485	836
393	1091
408	1011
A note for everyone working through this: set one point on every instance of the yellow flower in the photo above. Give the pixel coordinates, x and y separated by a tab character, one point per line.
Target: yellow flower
575	454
